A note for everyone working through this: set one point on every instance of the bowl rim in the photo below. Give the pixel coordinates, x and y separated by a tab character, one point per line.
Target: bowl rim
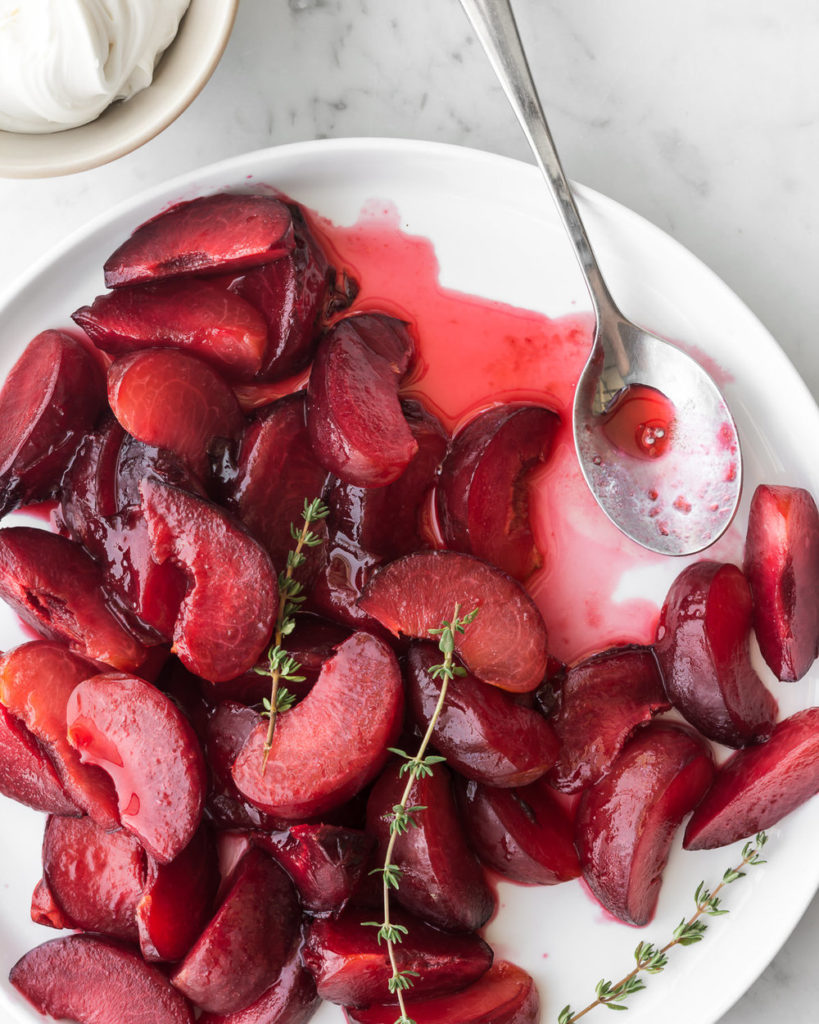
123	126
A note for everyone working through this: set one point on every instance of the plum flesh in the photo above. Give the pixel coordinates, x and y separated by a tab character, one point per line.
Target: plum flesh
140	738
602	700
481	730
759	785
483	501
357	427
26	774
441	880
333	743
226	618
212	234
96	981
626	823
504	646
782	566
703	650
506	994
54	394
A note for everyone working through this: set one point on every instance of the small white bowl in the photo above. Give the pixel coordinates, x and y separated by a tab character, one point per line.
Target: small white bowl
182	72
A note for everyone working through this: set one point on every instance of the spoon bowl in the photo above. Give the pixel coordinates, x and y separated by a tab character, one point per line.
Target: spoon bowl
665	468
670	481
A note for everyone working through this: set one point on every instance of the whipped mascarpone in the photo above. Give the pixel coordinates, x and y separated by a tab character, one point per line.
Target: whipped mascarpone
62	62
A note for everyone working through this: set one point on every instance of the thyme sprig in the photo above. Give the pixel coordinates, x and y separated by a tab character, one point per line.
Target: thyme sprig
280	665
650	959
417	766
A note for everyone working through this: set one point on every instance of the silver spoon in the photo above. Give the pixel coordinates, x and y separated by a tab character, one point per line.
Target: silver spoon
683	500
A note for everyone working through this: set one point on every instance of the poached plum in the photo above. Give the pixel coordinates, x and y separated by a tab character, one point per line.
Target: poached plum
504	646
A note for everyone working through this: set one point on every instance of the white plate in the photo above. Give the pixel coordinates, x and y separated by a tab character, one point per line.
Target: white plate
465	202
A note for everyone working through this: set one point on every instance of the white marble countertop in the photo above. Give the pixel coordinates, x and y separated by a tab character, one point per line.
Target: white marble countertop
702	117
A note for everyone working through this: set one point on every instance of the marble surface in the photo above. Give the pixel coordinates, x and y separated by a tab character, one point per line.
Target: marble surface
702	117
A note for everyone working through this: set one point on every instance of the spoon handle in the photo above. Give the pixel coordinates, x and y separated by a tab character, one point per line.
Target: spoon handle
494	24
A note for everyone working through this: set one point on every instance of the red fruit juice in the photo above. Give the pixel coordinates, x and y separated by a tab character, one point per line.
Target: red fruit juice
474	353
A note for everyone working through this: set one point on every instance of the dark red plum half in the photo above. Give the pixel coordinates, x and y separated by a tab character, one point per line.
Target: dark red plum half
758	786
213	234
703	648
782	566
626	823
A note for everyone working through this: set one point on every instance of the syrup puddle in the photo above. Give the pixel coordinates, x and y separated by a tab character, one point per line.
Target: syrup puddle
474	353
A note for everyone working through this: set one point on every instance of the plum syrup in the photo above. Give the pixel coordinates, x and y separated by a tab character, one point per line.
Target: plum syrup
474	353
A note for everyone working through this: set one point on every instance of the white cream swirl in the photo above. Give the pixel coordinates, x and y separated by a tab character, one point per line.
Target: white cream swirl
62	62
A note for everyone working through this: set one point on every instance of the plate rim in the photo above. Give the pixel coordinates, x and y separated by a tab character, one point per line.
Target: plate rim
449	153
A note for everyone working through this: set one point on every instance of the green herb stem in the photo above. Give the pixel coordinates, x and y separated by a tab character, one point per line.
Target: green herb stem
650	959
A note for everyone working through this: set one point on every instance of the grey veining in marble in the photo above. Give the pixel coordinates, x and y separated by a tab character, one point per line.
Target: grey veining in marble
701	116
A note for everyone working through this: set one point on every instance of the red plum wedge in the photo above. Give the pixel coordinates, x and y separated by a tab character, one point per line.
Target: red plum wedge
334	742
506	643
53	395
26	774
524	834
357	427
213	234
626	823
506	994
483	501
758	786
782	566
703	648
57	588
226	618
96	981
246	943
602	700
351	967
140	738
173	400
441	880
195	316
482	731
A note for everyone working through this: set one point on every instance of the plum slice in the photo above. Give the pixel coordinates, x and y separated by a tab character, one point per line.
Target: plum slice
173	400
703	648
482	497
212	234
36	681
506	994
57	588
602	700
53	395
191	315
140	738
326	862
758	786
96	981
386	522
246	943
626	823
504	646
226	618
177	899
94	877
351	968
333	743
482	731
296	294
276	471
26	774
291	999
782	566
441	880
357	427
523	833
